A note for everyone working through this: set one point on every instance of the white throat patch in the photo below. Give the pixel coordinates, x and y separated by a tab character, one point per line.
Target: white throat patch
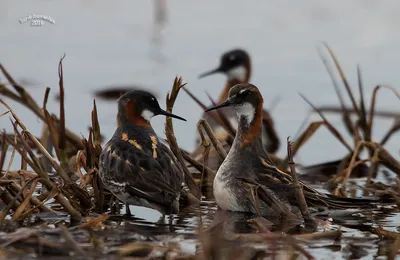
237	73
147	115
247	111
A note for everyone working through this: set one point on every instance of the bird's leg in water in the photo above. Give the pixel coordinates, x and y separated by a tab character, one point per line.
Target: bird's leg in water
127	210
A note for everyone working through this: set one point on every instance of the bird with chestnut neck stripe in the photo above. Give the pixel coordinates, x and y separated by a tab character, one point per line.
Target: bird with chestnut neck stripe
247	161
236	65
134	164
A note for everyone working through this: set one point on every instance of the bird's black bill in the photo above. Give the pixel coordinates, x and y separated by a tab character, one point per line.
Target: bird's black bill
208	73
226	103
165	113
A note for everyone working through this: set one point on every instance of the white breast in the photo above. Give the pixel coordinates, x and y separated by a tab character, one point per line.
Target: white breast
223	194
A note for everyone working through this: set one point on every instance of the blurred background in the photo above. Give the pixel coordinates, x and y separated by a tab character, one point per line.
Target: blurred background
147	43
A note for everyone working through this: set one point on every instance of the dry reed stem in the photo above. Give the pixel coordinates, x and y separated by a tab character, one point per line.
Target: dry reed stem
305	136
224	119
5	210
330	127
197	165
352	161
363	111
169	132
26	99
10	161
214	115
343	77
378	113
395	128
296	185
373	169
45	179
394	249
3	150
40	204
340	177
217	145
373	102
345	114
62	142
207	146
26	201
385	233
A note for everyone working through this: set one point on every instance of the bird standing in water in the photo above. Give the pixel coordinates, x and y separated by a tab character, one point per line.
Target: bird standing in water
248	163
134	165
236	65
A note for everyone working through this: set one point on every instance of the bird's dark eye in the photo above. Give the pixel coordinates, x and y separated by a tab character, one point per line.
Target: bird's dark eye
244	93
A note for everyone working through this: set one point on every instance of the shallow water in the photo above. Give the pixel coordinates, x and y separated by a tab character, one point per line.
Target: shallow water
116	44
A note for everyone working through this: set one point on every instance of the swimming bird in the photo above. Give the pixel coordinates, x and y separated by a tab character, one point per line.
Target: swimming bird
236	65
248	164
134	164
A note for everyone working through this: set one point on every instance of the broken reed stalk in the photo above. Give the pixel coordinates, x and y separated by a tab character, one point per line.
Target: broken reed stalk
297	187
37	166
62	142
217	145
169	132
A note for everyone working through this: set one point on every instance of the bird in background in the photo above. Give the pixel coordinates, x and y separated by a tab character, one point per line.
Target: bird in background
134	164
236	65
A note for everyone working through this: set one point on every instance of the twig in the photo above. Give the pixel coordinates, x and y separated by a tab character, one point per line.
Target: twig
297	187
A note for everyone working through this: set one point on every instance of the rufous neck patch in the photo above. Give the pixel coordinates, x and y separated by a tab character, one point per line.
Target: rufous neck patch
133	116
